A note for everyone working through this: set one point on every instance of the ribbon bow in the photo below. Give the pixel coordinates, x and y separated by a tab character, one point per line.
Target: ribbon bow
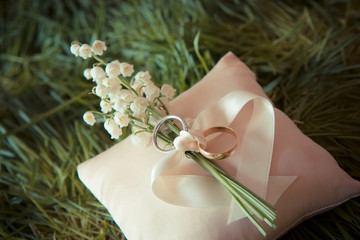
188	141
180	181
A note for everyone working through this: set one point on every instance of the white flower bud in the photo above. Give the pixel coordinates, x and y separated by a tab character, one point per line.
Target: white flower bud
139	107
114	93
105	106
89	118
113	69
126	69
98	47
101	91
143	77
138	103
151	92
126	95
122	119
85	51
168	91
87	74
74	49
141	139
110	82
113	129
120	105
97	73
141	101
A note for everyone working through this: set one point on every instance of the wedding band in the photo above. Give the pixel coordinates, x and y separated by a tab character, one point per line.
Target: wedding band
218	156
157	127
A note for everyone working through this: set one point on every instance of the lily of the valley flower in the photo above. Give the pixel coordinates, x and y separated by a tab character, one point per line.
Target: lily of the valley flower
87	73
110	82
101	91
122	119
74	49
89	118
112	69
126	69
97	73
126	95
120	105
113	129
98	47
105	106
138	106
85	51
143	78
151	91
168	91
141	139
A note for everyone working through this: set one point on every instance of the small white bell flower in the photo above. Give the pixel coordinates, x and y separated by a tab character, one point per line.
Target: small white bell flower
105	106
151	91
112	69
126	69
113	129
168	91
110	82
97	73
122	119
89	118
85	51
87	74
120	105
98	47
143	77
75	49
141	139
139	107
126	95
101	91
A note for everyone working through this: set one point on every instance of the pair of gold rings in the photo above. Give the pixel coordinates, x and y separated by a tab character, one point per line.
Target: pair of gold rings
207	132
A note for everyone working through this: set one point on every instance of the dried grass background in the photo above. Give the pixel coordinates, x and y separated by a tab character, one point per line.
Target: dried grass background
306	55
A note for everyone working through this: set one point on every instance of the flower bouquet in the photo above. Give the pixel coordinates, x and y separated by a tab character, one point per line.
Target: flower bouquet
136	102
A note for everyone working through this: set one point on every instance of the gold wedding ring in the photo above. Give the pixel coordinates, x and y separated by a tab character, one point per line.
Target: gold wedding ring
218	156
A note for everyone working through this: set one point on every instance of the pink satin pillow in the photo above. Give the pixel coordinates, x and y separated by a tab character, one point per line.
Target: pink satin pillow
120	177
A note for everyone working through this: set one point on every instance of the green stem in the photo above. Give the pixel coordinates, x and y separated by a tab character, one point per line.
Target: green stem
97	58
265	209
135	118
127	85
241	202
240	186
